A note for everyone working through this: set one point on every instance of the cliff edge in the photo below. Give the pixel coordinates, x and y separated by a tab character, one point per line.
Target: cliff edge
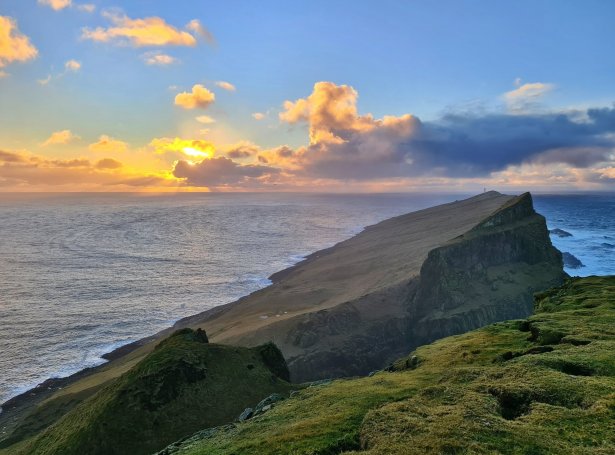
401	283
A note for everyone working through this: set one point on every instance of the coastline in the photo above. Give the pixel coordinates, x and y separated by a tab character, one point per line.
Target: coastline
50	385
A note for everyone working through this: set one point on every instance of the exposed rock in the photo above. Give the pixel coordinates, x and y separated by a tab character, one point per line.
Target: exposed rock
560	233
246	414
571	261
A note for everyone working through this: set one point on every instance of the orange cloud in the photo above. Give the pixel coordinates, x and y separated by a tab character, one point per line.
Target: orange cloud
27	171
60	137
108	144
186	147
149	31
158	58
200	97
14	45
226	86
330	110
56	4
258	116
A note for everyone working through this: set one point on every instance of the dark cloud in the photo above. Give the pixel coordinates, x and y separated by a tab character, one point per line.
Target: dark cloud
10	157
108	163
242	151
466	146
219	172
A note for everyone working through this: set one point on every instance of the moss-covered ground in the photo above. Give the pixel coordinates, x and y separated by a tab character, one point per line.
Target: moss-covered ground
185	384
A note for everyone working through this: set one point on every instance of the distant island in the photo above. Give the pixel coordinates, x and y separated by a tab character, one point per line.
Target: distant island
259	375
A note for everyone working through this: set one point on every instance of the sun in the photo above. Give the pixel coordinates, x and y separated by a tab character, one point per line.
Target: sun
198	153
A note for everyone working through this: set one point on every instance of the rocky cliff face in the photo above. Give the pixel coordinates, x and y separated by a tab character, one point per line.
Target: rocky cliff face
487	274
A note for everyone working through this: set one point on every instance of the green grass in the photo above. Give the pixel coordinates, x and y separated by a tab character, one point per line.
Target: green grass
185	384
537	386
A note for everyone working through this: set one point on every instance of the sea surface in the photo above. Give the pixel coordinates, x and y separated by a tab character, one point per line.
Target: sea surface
82	274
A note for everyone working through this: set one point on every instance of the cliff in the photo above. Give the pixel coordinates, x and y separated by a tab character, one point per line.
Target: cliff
413	279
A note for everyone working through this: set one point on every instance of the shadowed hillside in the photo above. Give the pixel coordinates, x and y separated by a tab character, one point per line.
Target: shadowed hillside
183	385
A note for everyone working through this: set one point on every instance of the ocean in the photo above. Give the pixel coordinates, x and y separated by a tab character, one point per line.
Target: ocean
82	274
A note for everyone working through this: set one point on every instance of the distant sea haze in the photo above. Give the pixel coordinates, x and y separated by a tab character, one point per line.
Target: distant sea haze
81	274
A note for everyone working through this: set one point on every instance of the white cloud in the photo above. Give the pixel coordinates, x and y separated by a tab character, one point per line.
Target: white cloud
72	65
258	116
195	26
205	119
525	96
86	7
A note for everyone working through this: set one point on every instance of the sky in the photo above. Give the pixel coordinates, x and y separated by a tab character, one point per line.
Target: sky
339	96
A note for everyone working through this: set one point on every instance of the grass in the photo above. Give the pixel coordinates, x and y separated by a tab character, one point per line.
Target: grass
185	384
545	385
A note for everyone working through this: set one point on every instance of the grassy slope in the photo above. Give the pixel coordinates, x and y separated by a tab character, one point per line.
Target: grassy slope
183	385
543	385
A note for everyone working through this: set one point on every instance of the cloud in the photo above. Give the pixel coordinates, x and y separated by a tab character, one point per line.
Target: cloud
258	116
60	137
219	172
72	65
14	45
183	147
86	7
242	150
526	96
3	74
199	97
226	86
25	170
108	163
330	111
346	145
205	119
56	4
195	26
11	157
108	144
149	31
158	58
45	81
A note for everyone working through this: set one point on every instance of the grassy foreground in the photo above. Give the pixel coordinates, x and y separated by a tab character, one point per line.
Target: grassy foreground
537	386
185	384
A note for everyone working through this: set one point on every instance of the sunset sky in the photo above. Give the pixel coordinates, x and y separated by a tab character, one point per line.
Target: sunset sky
307	96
